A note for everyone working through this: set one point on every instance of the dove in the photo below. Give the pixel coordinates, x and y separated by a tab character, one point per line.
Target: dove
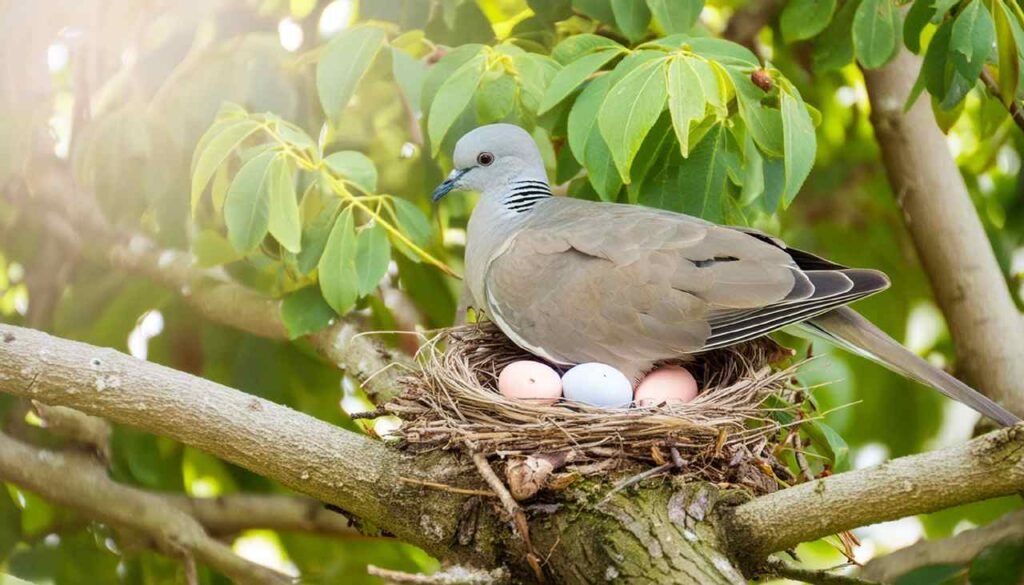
574	281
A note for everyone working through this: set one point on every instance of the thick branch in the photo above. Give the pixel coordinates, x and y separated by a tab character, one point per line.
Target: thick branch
74	480
948	235
989	466
960	549
352	471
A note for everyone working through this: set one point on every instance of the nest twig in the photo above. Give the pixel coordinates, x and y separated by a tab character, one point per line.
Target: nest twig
725	435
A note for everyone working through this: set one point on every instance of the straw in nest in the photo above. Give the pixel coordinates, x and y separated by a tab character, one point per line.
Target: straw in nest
726	435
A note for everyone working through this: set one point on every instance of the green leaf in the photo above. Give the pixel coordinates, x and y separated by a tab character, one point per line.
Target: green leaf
834	47
753	185
215	151
296	136
799	143
830	442
764	123
573	75
577	46
694	185
629	110
354	167
212	249
1006	47
676	16
373	252
413	225
316	232
284	224
338	279
685	99
246	209
345	60
452	99
496	98
535	73
802	19
586	142
876	32
999	564
600	10
919	15
441	71
972	39
305	311
10	523
410	74
632	17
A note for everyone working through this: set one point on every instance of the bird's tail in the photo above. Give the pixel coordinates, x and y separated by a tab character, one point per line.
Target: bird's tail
847	329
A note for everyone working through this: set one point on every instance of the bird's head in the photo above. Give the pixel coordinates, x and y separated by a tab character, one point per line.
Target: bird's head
490	157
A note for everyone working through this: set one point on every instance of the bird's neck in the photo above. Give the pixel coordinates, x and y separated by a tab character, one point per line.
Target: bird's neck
501	212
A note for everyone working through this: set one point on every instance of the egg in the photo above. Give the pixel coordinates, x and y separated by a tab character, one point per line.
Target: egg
667	384
597	385
530	381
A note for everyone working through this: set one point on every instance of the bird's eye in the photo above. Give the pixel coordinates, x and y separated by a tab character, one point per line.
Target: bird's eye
485	158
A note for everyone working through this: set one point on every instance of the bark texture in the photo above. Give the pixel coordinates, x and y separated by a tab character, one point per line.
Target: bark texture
948	235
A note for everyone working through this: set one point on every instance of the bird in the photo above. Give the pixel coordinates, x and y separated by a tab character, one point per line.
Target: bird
574	281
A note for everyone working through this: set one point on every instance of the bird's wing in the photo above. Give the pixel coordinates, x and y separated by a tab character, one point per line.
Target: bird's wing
616	283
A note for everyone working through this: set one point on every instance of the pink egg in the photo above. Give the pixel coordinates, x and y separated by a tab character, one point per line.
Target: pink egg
667	384
533	382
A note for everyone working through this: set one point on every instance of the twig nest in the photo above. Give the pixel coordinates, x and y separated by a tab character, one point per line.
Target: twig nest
530	381
598	385
726	434
666	385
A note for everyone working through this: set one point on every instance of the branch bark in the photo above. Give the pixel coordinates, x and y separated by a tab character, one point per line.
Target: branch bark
960	549
989	466
948	236
74	480
654	533
227	515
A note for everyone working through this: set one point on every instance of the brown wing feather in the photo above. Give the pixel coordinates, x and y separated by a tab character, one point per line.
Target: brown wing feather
637	285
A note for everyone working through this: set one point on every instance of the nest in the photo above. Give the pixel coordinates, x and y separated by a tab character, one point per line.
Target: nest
727	435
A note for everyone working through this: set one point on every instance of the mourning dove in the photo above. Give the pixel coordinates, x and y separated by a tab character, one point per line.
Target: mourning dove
575	281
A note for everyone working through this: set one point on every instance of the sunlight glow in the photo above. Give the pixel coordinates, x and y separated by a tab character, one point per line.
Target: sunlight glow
147	327
57	57
925	326
264	548
290	34
336	17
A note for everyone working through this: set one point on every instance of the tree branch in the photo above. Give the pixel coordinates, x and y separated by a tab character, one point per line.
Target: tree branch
960	549
351	471
990	466
74	480
949	237
226	515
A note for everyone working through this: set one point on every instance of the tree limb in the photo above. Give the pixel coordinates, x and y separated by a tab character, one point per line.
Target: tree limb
949	237
351	471
989	466
231	514
74	480
361	475
959	549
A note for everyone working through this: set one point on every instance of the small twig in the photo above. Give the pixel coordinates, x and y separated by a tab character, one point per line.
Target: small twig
1013	107
779	568
511	507
448	488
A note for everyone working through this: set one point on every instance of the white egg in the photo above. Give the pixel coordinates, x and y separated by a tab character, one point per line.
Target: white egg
597	385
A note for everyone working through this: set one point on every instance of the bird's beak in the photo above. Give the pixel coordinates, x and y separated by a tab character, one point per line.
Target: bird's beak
449	184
